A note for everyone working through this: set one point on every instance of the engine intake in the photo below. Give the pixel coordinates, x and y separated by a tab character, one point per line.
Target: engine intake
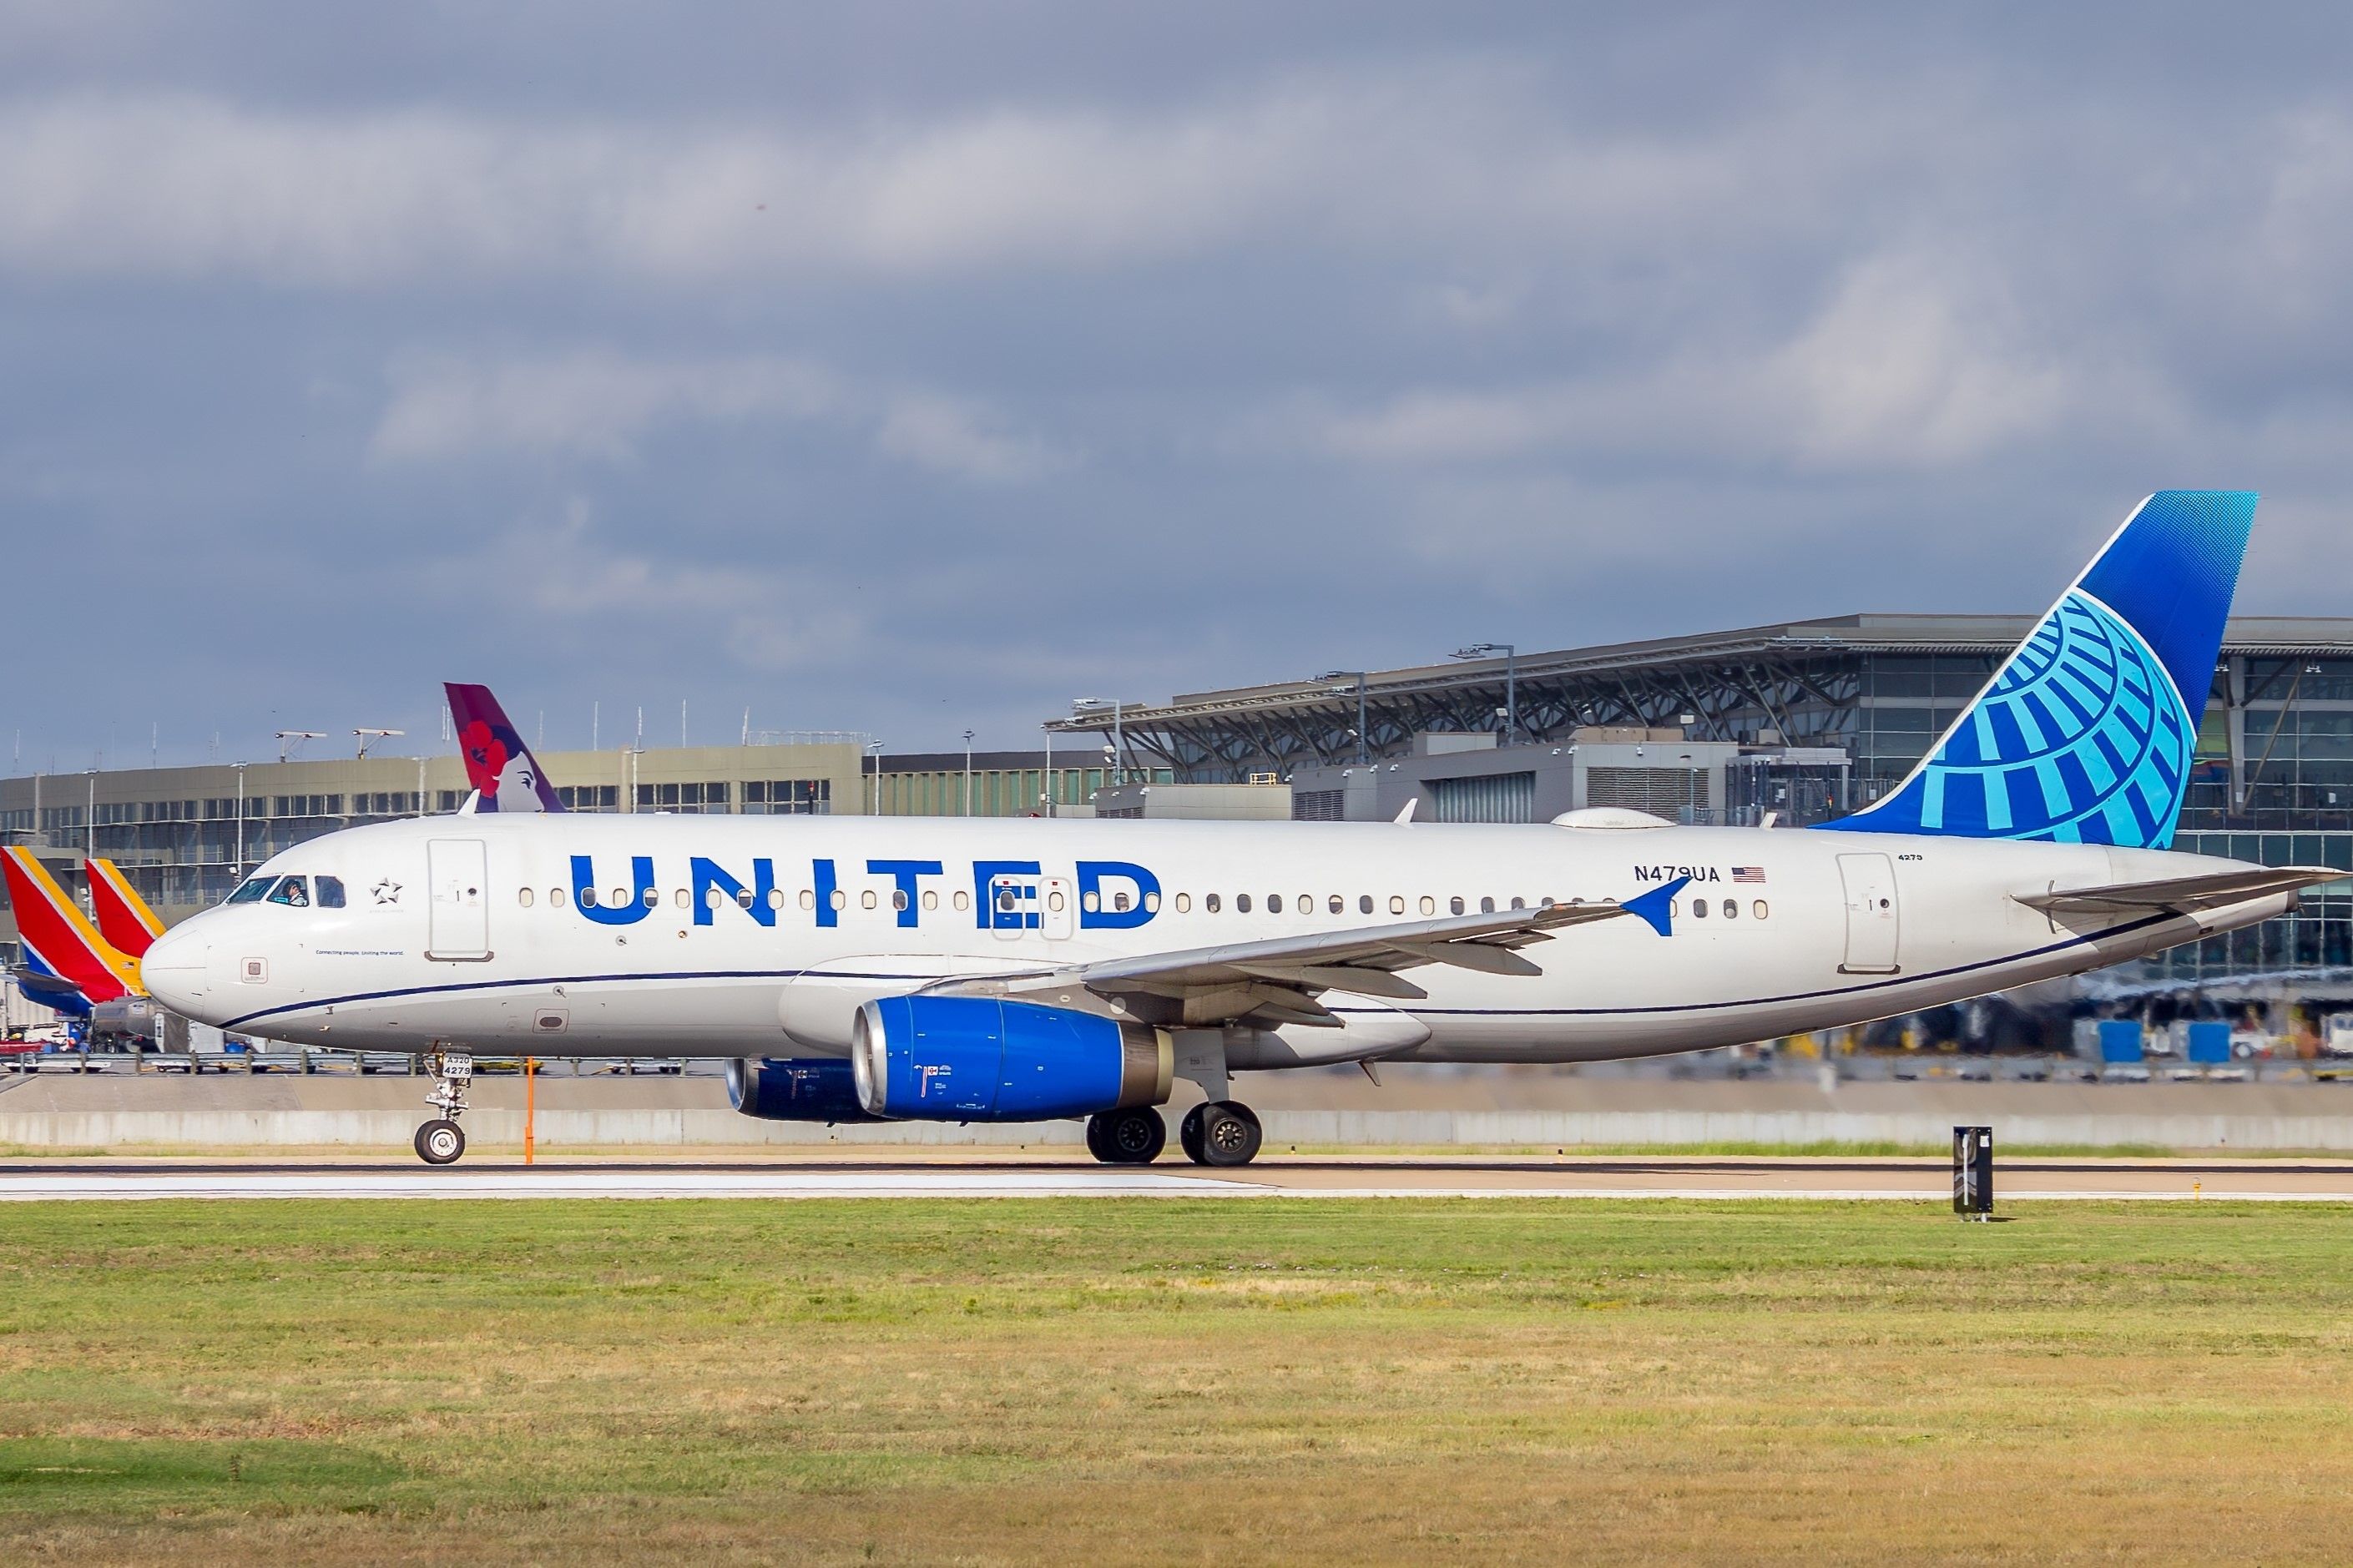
977	1058
800	1088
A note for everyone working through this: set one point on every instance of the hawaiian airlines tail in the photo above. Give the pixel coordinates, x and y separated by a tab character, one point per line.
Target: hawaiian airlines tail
2086	732
57	938
123	917
500	766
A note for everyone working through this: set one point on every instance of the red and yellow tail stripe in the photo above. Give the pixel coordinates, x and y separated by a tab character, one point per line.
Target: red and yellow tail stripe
54	927
123	917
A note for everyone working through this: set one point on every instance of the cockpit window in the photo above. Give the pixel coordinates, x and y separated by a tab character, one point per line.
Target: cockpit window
293	892
251	891
330	891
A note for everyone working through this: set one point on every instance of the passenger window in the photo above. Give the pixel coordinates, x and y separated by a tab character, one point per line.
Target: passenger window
292	891
1274	903
838	899
1486	906
1337	904
652	898
1397	904
1151	903
1306	905
932	899
1454	905
808	898
522	895
330	892
1241	903
962	900
1731	909
681	900
1759	910
899	900
1519	903
251	892
1184	903
1091	902
1119	902
555	898
776	898
1210	903
866	899
587	897
1699	909
1364	903
1428	905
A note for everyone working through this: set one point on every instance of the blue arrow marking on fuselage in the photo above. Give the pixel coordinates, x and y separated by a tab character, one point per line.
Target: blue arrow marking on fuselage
1657	906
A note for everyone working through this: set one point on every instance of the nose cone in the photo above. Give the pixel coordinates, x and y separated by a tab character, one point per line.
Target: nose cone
173	971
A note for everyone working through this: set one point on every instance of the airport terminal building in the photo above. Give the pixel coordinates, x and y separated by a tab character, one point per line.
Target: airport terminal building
1805	720
1800	721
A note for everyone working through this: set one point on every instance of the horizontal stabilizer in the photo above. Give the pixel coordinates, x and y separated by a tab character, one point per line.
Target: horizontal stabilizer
2188	895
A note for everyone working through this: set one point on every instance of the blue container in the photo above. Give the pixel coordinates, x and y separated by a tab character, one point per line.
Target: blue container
2210	1042
2119	1040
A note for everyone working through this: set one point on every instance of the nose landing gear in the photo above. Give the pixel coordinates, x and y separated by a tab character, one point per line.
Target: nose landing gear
438	1141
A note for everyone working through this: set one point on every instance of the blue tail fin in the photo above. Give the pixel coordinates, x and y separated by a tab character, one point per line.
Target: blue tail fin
2086	733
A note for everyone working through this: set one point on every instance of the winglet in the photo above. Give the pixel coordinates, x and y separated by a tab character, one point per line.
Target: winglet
1407	814
1657	906
499	762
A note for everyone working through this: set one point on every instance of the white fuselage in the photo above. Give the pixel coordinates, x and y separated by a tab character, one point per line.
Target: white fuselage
469	932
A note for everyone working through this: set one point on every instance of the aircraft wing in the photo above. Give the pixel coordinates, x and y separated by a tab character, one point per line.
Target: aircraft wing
2185	895
1277	981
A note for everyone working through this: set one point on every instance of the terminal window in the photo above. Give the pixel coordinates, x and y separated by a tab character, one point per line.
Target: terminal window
781	797
683	797
590	797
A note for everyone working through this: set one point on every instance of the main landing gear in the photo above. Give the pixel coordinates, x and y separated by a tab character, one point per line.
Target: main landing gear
1221	1132
438	1141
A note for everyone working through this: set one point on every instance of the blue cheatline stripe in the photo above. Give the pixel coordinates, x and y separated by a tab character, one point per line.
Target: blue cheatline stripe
2126	930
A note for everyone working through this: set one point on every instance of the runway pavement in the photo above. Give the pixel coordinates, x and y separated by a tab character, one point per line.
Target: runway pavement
1532	1177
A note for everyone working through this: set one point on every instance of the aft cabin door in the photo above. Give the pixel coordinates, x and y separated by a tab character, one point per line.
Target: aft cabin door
1872	914
459	918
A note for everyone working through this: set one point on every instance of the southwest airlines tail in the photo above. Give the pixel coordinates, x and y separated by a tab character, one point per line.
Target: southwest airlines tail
504	773
2086	733
59	940
124	918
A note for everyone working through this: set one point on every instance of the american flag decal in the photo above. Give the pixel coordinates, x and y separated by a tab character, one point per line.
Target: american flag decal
1748	873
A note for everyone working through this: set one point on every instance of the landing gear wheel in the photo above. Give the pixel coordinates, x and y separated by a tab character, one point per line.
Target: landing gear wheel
1131	1136
439	1142
1221	1132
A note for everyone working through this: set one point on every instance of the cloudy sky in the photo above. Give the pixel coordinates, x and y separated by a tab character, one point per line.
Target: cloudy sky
910	368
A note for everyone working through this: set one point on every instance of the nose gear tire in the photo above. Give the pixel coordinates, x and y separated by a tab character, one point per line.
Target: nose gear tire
439	1142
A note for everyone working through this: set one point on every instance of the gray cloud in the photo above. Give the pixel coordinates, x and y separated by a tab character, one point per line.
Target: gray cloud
899	368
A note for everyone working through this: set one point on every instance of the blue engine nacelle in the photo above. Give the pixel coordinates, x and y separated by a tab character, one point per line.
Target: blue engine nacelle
975	1059
804	1089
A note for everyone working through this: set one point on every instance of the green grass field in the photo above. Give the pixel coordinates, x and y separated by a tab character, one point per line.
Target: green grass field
1172	1381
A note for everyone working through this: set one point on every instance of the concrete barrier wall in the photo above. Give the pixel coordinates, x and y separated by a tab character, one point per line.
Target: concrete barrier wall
665	1127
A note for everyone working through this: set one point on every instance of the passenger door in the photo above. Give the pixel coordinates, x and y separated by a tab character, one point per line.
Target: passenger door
458	919
1872	916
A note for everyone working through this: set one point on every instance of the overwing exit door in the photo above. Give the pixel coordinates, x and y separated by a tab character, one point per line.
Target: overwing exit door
458	918
1872	916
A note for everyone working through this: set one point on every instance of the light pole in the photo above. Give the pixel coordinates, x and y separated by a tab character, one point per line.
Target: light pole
1362	755
241	821
89	822
370	737
1511	681
1048	792
874	750
967	772
1118	730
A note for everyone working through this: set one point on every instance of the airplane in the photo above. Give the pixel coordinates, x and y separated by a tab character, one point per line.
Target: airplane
123	919
500	766
68	966
862	968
